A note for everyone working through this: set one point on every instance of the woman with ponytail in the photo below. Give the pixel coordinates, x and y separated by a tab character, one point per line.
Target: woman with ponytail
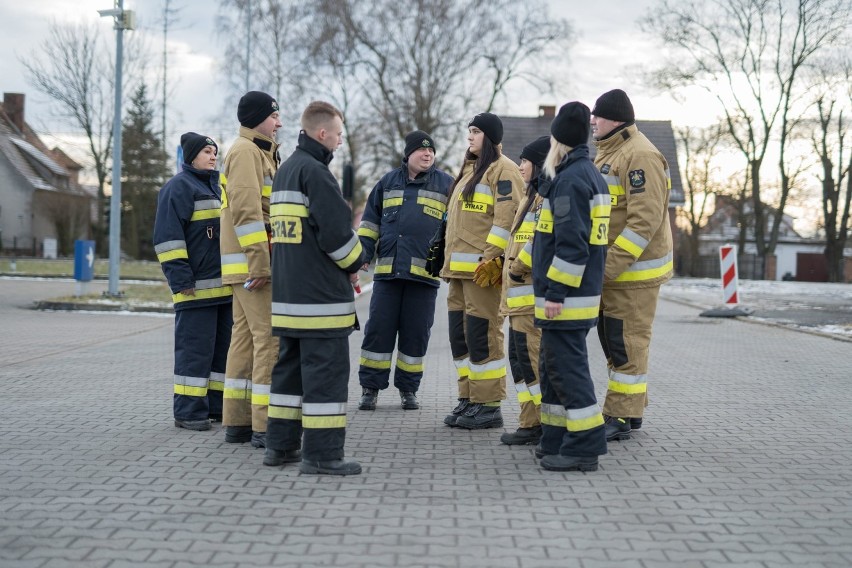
485	196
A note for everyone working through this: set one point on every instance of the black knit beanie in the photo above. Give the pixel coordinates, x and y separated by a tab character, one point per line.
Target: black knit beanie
255	107
192	143
490	124
536	151
417	139
614	105
571	125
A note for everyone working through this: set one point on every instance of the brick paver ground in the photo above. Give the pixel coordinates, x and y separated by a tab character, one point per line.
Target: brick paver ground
745	459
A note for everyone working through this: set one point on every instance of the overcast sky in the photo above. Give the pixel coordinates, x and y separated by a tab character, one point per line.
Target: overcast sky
609	53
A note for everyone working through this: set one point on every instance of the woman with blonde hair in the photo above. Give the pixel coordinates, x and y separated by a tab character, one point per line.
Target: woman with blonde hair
568	263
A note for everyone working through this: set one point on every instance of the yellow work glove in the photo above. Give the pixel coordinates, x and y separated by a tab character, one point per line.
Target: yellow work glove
489	273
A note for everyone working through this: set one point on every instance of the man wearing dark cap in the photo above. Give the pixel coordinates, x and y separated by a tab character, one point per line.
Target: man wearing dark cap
402	213
568	261
639	259
186	240
247	184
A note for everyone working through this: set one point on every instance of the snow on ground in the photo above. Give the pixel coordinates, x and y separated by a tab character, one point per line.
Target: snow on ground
812	306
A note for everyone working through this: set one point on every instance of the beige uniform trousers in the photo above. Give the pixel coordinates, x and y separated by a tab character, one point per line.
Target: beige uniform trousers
476	340
624	329
524	348
253	353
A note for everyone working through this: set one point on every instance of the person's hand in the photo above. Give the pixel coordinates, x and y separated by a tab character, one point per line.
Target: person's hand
188	292
552	309
489	273
256	283
365	266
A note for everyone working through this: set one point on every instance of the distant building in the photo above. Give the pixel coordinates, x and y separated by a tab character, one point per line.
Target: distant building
40	194
518	131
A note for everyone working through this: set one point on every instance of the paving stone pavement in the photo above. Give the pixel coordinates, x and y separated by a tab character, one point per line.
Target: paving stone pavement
745	459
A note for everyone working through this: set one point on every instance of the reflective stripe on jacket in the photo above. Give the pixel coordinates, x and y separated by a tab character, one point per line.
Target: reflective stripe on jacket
186	238
478	229
640	237
247	184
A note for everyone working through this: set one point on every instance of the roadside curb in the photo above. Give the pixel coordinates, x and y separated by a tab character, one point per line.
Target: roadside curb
77	307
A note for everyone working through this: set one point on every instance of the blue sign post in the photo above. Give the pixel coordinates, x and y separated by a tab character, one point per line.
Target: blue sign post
84	264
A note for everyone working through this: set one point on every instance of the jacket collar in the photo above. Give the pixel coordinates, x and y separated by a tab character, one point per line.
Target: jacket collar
617	137
265	143
577	153
203	175
314	148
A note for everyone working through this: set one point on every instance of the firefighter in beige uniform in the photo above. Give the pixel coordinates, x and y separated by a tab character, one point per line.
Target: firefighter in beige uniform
480	211
249	167
639	258
518	300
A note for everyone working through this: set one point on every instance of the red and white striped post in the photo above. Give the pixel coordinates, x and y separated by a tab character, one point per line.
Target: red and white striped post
730	279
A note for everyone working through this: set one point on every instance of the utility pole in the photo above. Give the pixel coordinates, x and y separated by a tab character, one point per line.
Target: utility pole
124	20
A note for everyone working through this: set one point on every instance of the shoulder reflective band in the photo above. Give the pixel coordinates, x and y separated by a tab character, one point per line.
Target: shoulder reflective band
289	203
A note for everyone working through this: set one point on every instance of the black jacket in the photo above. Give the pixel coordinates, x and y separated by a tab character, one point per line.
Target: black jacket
314	248
399	219
570	243
186	237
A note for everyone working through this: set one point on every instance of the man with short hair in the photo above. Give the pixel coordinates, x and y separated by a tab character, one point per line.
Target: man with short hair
402	213
639	258
316	257
246	186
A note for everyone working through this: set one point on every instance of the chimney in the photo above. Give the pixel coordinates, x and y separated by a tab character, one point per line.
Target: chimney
13	105
544	111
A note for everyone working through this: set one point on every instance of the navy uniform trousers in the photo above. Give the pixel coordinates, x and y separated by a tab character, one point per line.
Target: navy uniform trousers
402	308
202	337
572	423
310	385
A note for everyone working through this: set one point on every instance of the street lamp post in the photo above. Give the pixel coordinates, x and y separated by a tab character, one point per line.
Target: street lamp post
123	21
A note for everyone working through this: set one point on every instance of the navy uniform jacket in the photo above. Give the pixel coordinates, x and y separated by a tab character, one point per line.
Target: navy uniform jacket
314	248
400	217
570	243
186	238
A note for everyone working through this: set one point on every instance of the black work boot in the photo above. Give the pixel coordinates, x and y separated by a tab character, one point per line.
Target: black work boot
368	399
569	463
409	400
479	417
522	436
460	409
280	457
333	467
617	429
215	417
238	434
197	425
635	423
258	439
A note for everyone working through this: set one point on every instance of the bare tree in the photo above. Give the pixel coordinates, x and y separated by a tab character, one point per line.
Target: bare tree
71	68
831	145
700	149
393	67
748	54
75	69
170	17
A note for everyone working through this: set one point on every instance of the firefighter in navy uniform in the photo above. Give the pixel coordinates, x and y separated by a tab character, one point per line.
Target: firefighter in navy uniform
569	253
248	170
402	213
518	301
315	259
186	240
639	260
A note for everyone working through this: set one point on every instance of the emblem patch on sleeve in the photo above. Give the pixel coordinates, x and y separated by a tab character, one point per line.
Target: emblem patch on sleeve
637	178
504	187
